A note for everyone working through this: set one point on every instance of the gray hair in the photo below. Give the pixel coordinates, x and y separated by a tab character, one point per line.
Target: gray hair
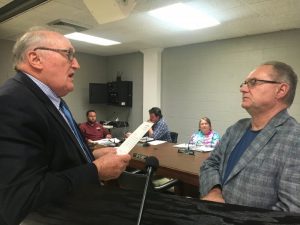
285	73
32	38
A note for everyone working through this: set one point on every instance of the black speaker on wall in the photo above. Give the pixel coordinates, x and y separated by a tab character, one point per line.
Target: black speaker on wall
98	93
120	93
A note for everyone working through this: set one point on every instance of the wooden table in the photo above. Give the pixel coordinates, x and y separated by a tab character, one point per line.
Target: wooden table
172	164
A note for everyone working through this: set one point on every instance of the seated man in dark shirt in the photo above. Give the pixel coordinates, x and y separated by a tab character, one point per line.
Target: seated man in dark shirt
93	130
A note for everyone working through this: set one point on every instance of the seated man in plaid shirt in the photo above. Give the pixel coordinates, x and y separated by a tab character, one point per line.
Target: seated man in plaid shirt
159	130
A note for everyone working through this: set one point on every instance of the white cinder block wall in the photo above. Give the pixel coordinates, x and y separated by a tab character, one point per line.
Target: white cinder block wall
203	79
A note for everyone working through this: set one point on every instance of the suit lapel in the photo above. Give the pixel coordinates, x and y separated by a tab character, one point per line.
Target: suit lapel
257	144
235	137
252	151
50	107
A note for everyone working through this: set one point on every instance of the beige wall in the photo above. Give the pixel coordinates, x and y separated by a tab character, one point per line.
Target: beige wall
6	60
131	67
92	70
203	79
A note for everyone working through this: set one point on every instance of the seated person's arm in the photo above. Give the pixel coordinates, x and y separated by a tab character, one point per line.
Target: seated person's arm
210	172
289	183
193	139
83	132
215	140
158	133
210	188
106	133
150	132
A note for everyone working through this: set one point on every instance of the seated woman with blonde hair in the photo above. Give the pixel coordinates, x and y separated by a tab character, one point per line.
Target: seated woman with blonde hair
205	135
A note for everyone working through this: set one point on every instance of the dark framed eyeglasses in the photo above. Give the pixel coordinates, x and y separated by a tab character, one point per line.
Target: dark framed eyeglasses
66	52
253	82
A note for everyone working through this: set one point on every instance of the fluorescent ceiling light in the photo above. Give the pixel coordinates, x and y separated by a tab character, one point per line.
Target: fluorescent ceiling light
184	16
91	39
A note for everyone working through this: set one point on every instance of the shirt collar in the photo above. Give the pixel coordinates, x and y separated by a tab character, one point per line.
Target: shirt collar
47	90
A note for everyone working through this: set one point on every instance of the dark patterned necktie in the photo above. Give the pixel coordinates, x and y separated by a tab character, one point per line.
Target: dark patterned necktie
65	110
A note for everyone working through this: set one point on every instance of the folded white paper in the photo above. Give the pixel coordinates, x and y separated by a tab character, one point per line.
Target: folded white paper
134	138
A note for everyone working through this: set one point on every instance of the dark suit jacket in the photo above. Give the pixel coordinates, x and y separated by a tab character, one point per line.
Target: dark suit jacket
40	160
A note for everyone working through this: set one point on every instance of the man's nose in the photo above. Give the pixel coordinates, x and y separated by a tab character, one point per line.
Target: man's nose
75	64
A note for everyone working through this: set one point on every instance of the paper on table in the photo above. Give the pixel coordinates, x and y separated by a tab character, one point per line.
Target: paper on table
200	148
181	145
134	138
203	148
106	141
156	142
146	139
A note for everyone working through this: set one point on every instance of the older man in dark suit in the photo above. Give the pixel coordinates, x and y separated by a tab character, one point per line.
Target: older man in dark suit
258	161
43	159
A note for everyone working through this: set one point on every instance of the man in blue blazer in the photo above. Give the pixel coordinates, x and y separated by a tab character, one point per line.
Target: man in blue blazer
42	161
258	160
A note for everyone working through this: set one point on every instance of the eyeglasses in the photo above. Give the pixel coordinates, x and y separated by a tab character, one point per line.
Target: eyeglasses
66	52
253	82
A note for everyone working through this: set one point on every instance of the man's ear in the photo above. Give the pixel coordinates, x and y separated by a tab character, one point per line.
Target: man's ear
34	60
282	90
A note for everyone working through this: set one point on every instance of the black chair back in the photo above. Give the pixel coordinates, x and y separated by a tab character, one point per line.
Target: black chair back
174	136
132	181
136	182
